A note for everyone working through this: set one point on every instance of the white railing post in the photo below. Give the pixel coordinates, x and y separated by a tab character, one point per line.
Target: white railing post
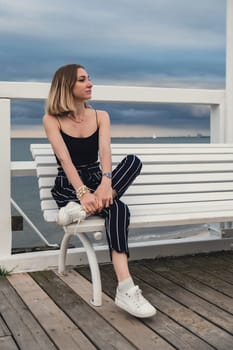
229	73
217	117
5	206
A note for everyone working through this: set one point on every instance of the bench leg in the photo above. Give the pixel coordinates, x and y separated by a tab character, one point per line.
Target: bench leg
94	267
63	252
93	263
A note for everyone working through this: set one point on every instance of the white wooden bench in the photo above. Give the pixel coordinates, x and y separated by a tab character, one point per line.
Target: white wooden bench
179	184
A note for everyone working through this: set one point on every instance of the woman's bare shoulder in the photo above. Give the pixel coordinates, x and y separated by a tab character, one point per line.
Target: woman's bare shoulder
48	118
102	114
50	123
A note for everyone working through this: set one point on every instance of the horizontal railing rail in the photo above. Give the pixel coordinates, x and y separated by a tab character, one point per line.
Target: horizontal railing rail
35	90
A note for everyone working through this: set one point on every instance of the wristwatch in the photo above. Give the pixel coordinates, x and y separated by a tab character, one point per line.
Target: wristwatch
109	175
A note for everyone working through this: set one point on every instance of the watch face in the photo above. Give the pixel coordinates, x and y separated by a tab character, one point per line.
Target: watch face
109	175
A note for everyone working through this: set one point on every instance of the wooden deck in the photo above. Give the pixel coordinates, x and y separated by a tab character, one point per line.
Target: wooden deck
193	296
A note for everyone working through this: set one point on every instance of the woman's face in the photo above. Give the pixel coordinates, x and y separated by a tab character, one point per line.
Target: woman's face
83	86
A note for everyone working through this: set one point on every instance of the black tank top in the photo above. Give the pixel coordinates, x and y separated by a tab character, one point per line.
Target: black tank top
83	150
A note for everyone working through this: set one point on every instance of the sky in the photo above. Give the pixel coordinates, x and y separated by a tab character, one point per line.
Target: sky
161	43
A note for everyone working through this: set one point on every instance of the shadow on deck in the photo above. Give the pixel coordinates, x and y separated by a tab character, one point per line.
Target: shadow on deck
193	296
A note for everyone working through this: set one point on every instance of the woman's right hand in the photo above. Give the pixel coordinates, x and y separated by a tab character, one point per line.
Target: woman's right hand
89	203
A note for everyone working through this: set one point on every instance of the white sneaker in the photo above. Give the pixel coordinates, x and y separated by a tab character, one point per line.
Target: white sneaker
72	212
134	303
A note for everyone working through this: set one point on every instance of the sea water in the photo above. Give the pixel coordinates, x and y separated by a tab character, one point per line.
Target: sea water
24	191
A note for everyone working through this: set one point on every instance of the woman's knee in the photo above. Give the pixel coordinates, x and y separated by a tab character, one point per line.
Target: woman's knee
135	162
120	211
121	206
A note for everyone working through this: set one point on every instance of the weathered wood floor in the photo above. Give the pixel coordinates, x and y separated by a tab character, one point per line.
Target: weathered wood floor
193	296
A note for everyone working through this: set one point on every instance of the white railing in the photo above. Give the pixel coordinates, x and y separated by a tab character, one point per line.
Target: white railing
28	91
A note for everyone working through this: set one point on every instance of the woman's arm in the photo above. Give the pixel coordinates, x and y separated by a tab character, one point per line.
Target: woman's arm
104	190
52	130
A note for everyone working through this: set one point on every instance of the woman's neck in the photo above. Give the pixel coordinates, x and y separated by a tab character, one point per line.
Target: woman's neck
79	109
78	115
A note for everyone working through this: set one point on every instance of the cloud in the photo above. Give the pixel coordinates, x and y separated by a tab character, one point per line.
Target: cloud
170	43
160	23
118	41
144	114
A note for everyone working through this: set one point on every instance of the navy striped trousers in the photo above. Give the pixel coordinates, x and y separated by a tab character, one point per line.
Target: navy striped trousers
117	216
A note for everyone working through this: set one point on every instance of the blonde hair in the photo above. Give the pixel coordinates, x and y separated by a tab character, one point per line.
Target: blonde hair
60	100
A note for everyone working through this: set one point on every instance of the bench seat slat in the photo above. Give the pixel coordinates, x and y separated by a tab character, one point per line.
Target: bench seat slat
172	198
94	223
45	182
157	158
162	168
177	208
174	207
167	189
205	146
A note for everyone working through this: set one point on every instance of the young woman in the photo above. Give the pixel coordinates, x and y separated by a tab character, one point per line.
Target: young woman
80	138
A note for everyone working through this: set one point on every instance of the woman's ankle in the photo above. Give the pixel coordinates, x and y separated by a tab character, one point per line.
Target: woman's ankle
125	285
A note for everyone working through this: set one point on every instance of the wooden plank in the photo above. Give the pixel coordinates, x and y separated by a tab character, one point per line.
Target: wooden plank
188	266
26	331
164	323
4	331
7	343
207	310
213	281
225	260
130	327
63	332
213	265
222	301
214	268
100	332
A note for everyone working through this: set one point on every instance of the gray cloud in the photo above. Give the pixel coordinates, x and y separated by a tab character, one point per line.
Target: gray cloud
176	43
156	115
162	36
159	23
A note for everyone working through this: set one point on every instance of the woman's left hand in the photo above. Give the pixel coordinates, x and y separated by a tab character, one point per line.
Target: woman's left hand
104	196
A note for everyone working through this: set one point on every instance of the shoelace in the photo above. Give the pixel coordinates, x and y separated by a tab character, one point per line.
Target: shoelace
83	216
137	296
77	223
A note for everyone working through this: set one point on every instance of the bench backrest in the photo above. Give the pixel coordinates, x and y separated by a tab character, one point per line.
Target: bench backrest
172	174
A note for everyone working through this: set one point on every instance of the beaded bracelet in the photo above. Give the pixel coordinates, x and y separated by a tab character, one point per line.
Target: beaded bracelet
81	191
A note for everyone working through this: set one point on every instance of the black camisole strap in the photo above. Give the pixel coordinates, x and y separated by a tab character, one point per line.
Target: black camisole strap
96	118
